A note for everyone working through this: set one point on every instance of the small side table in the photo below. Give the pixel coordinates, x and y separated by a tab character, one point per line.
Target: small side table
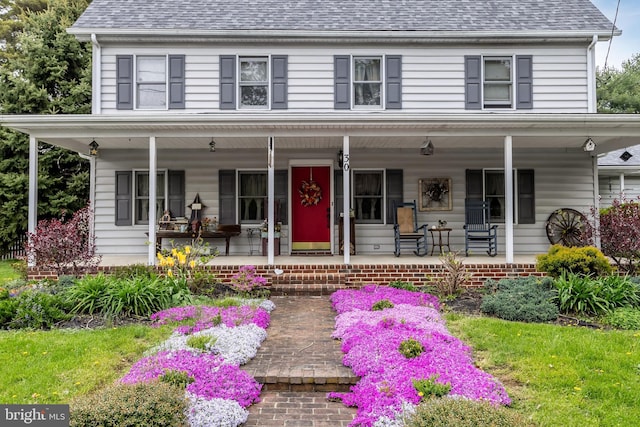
441	242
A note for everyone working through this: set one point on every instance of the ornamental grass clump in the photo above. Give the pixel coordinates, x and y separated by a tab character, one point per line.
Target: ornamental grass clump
373	345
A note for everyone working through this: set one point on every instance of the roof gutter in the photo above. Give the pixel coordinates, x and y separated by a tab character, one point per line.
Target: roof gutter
295	34
591	76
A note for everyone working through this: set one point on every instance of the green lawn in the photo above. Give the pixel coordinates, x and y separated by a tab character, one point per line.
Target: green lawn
7	272
559	375
54	366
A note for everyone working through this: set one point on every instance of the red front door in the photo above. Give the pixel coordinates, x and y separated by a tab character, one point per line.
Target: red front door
310	208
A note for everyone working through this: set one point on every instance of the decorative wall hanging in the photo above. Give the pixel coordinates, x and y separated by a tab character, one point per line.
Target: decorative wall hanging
310	191
435	194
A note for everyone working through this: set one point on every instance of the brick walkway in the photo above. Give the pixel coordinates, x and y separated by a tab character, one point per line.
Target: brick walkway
298	364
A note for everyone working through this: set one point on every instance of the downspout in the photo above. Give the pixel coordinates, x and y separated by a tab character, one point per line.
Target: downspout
591	76
96	75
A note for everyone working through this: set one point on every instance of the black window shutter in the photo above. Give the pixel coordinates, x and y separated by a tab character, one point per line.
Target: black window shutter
394	82
176	82
227	82
124	82
227	195
338	195
123	198
279	82
342	82
176	194
281	193
473	82
474	184
526	197
524	79
395	192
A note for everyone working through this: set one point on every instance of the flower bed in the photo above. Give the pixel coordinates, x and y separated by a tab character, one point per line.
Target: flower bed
217	390
372	341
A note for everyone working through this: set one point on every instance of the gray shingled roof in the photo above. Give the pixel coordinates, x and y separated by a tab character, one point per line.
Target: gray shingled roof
613	158
344	15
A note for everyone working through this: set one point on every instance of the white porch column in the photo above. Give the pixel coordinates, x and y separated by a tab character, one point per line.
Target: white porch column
153	184
32	219
596	199
508	189
270	202
621	185
346	205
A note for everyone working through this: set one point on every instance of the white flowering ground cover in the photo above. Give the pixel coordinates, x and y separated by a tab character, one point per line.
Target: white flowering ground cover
220	392
372	339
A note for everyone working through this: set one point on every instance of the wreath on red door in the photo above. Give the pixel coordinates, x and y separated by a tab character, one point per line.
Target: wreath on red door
310	193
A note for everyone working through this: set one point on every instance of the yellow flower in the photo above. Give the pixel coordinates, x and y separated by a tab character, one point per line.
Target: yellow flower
182	258
174	252
192	264
577	388
169	273
187	249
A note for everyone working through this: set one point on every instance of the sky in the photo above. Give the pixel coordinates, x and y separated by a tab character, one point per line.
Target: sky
625	46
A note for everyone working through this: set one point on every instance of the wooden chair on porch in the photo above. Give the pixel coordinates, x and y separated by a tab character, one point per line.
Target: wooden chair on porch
478	231
407	233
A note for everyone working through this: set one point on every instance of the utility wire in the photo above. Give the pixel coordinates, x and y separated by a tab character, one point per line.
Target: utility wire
613	28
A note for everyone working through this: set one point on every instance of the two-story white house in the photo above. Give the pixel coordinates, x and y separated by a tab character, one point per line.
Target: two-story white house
297	112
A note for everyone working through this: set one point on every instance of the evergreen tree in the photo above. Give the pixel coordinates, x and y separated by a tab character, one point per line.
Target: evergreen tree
619	90
44	71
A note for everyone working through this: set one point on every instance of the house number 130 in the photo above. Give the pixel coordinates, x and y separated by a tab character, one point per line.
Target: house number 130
345	163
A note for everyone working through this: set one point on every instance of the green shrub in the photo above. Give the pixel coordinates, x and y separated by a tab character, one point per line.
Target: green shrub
38	310
411	348
525	299
381	305
620	291
586	261
8	308
429	388
455	275
155	404
623	318
447	412
180	379
399	284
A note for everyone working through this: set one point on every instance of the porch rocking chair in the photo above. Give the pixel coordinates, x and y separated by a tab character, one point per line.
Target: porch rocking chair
478	231
408	234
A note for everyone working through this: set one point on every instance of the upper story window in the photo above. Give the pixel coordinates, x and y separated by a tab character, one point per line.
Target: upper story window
498	82
367	81
362	82
150	82
254	82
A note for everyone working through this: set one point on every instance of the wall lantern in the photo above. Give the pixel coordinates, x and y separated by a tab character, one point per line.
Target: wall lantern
93	148
340	159
427	148
212	146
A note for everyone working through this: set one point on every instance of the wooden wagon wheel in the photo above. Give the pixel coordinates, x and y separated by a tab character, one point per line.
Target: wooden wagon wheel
567	226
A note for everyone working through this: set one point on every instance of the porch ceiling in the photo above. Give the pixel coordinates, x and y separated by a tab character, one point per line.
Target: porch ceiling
316	131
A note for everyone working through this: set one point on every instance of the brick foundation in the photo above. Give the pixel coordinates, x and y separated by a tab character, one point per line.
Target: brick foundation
325	278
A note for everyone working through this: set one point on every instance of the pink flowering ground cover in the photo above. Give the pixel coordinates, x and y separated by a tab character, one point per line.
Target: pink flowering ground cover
198	318
212	377
363	299
371	342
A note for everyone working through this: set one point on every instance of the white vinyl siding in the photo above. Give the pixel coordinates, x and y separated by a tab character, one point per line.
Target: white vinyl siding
562	179
432	78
